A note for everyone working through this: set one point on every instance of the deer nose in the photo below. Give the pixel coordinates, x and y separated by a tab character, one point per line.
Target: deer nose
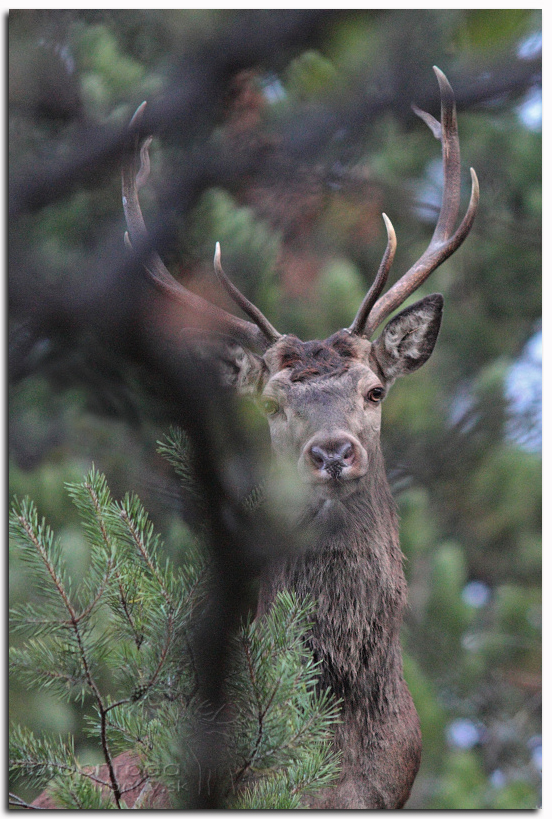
338	457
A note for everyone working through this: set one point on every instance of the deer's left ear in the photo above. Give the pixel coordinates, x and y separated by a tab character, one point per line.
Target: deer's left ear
408	340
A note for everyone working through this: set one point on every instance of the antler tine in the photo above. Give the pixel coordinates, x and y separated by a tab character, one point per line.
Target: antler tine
137	238
442	244
248	308
378	284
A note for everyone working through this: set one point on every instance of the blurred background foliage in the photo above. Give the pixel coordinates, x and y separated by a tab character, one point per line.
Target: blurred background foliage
311	136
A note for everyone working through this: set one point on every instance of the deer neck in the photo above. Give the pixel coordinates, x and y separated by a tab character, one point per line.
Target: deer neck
352	569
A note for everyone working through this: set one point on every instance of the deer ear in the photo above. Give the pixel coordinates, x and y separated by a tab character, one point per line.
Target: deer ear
240	368
408	340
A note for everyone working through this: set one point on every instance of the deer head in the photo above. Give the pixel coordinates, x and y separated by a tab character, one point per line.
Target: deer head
323	398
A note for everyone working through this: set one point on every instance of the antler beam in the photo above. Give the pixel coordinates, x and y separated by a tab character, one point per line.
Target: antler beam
134	175
443	242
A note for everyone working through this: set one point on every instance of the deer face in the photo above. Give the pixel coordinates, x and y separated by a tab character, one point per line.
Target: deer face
323	399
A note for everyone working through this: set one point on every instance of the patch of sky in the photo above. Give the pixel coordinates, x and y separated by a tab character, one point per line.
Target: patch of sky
430	191
476	594
472	642
523	389
531	46
530	110
463	413
523	392
273	89
498	778
535	746
463	733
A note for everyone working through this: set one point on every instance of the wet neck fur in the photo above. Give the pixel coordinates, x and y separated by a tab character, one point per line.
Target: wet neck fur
352	569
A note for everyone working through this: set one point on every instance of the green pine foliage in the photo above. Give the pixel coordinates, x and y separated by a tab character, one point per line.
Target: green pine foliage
280	711
119	640
176	448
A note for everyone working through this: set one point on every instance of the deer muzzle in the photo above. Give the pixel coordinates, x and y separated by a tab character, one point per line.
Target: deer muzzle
333	458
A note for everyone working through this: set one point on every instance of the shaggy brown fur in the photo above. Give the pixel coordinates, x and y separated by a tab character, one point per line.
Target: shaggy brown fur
353	570
312	358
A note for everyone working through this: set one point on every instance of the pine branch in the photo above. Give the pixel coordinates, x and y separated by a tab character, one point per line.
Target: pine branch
281	725
35	535
139	542
37	541
40	758
176	447
16	802
260	717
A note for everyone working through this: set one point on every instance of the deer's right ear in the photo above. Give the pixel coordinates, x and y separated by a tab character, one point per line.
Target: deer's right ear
408	340
240	368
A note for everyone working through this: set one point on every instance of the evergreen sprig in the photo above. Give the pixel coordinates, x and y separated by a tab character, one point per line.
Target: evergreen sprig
120	641
176	447
285	721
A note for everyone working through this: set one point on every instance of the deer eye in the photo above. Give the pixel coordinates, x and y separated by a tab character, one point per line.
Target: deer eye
270	406
375	395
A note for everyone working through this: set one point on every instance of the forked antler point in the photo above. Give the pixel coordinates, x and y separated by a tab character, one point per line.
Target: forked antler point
445	239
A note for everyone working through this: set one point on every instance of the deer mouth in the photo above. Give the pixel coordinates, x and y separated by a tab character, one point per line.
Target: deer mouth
334	490
334	475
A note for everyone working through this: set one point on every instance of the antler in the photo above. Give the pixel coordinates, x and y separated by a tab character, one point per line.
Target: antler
357	326
253	312
443	242
258	334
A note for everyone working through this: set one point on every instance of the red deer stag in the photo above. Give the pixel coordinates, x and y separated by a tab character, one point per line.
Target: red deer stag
323	403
